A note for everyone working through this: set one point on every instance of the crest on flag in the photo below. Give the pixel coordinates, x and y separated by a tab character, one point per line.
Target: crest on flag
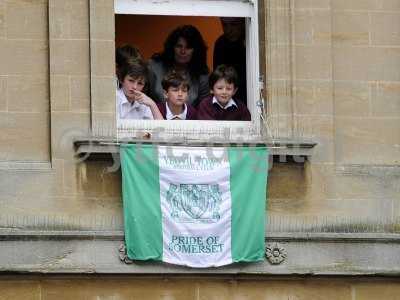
194	203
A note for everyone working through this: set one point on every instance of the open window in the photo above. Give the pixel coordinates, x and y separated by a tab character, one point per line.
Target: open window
179	12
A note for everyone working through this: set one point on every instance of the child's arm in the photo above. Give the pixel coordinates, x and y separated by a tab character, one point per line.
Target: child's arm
144	99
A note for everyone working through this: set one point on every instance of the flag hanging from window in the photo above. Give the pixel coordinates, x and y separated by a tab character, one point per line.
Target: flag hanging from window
194	206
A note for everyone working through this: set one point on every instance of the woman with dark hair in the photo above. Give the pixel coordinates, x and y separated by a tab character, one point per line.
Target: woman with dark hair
185	52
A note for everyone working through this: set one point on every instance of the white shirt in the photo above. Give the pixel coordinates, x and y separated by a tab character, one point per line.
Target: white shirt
170	116
230	103
135	111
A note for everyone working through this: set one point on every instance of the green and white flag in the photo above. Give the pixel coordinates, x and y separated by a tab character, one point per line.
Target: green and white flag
194	206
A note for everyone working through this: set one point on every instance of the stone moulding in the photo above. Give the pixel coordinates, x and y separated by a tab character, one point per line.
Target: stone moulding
275	253
123	256
101	253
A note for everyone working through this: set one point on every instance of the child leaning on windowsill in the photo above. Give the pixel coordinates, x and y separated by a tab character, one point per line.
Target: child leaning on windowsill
176	94
220	105
132	102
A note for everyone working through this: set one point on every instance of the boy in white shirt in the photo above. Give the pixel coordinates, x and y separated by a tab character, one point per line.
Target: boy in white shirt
132	102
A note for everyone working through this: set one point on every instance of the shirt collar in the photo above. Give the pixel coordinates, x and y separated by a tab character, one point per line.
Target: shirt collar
230	103
170	116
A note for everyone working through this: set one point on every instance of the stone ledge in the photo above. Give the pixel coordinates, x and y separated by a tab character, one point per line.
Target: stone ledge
98	252
299	149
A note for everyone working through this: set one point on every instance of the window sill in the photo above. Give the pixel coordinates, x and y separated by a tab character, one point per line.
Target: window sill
97	147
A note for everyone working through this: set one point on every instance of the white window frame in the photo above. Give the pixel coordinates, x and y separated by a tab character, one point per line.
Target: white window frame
203	130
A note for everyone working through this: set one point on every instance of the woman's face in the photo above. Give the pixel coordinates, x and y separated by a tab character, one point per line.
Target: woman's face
183	54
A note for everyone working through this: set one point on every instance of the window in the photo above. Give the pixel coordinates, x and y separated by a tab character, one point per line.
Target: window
201	9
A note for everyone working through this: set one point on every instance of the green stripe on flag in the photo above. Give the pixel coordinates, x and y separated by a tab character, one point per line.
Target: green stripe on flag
248	169
141	197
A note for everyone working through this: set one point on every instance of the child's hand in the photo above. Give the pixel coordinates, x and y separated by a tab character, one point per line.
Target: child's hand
142	98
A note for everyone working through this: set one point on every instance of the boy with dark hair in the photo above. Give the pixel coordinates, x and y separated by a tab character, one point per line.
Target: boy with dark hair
220	105
176	93
124	55
132	102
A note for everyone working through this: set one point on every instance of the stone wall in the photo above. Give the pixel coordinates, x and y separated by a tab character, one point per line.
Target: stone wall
366	82
332	72
24	92
45	288
343	72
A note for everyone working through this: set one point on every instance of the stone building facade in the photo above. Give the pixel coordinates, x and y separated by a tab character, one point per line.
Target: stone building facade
332	76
